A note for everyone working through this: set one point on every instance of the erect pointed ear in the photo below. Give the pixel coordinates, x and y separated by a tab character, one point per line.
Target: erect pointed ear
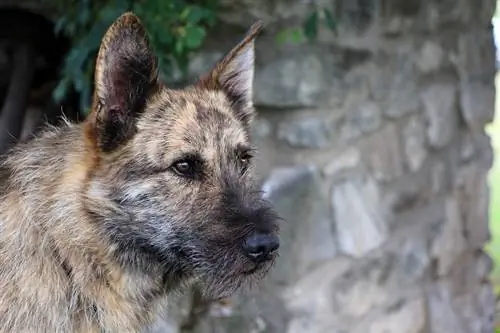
234	73
126	73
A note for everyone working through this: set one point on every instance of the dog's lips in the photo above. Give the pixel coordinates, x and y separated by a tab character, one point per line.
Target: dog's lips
260	265
254	269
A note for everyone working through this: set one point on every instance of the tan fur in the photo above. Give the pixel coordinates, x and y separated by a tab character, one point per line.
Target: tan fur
59	270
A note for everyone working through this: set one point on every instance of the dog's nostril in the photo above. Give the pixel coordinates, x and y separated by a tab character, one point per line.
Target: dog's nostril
259	246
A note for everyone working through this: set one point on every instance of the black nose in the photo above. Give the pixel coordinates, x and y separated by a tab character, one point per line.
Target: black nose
259	246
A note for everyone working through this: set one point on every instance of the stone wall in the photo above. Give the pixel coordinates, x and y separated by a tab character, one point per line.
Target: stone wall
372	147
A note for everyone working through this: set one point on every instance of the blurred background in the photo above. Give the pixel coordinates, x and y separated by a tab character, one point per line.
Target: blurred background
378	144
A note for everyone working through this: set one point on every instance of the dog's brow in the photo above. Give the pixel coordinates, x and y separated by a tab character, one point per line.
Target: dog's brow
188	154
243	147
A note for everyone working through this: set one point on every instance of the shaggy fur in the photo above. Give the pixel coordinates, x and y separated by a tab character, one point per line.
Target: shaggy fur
99	221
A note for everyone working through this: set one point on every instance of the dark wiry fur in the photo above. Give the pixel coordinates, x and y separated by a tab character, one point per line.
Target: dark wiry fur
97	227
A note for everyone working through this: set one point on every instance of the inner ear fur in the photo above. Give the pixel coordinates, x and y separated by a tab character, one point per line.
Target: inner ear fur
126	73
234	75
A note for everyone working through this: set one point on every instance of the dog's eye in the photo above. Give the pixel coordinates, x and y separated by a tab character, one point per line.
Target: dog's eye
184	168
245	158
245	161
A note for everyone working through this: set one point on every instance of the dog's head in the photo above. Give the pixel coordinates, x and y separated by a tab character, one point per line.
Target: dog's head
172	186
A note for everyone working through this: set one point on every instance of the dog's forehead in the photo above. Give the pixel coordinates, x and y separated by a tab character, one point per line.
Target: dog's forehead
198	120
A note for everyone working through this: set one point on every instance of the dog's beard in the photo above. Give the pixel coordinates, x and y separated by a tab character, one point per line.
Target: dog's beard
228	273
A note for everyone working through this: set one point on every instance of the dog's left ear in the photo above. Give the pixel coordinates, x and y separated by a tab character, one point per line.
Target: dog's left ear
234	73
126	73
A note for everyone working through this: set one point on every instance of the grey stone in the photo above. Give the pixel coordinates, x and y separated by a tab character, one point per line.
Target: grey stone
443	316
354	248
402	196
438	177
178	311
477	104
261	128
356	17
402	91
415	258
476	56
243	13
337	91
203	62
363	297
467	148
473	193
364	118
260	312
476	60
414	143
410	317
382	152
485	307
362	288
477	309
359	216
309	300
290	82
163	326
395	25
308	235
440	109
450	242
484	265
348	159
475	146
282	180
306	132
429	57
319	243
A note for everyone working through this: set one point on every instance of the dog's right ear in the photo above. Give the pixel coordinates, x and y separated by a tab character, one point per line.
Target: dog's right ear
126	73
234	73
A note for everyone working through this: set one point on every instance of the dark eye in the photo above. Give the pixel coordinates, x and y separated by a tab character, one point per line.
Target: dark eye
245	159
184	168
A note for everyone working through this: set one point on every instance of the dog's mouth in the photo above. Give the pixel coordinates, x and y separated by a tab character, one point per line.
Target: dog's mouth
253	270
260	265
243	274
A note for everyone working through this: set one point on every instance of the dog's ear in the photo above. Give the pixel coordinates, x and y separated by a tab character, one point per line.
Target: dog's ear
126	73
234	73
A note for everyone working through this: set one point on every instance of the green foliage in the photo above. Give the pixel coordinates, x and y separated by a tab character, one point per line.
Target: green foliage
176	29
493	247
291	35
308	30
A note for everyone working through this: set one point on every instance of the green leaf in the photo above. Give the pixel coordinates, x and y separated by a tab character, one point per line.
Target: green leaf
179	47
176	28
185	13
164	38
331	23
85	99
61	89
291	35
194	36
297	35
311	26
59	26
196	14
85	16
282	36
